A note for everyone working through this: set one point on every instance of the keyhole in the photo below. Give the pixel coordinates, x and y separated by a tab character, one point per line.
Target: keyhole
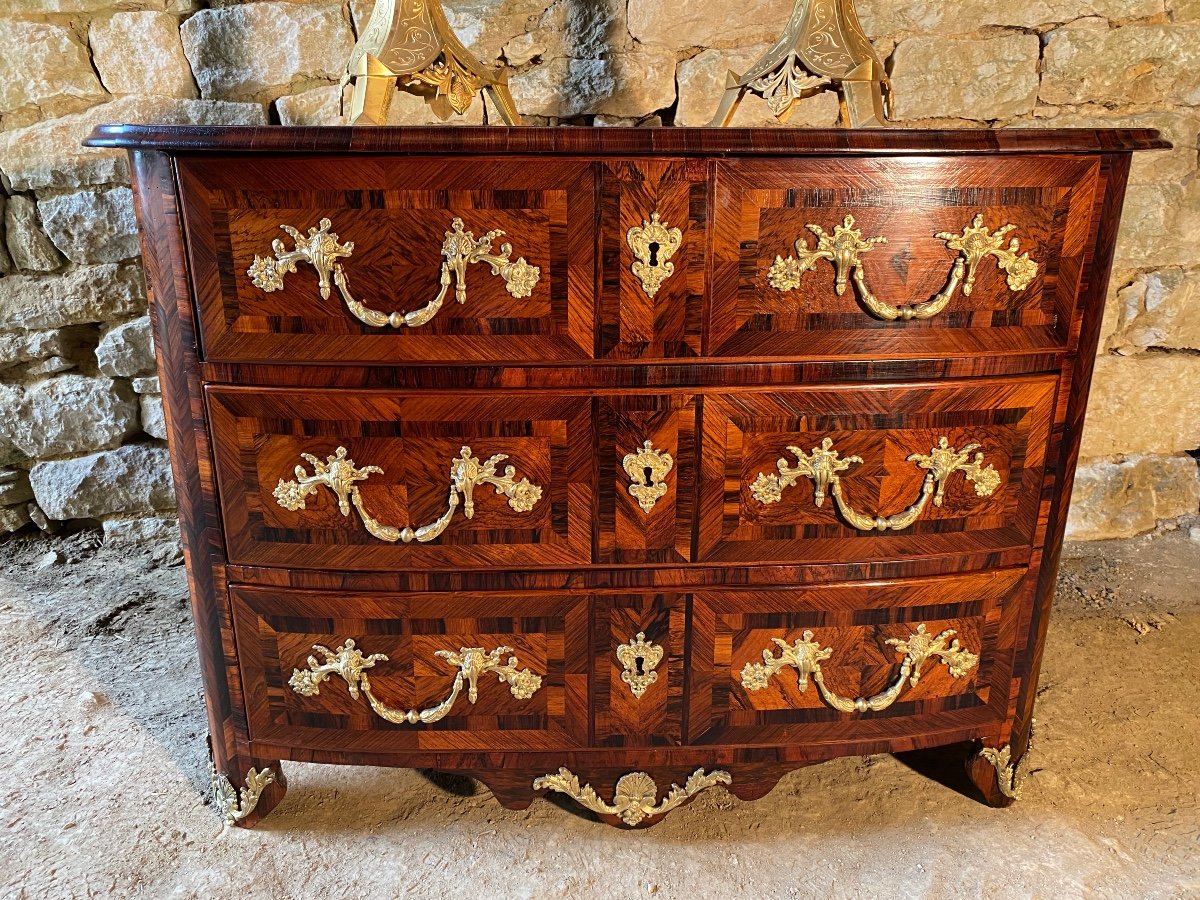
639	662
649	473
654	253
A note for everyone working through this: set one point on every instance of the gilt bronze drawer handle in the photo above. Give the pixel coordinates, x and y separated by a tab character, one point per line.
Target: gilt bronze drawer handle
639	659
653	243
636	795
348	662
647	470
806	656
823	465
322	250
845	248
340	475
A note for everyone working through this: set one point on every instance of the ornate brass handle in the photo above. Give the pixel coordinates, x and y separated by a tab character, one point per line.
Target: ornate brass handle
845	247
349	663
806	656
321	249
340	475
636	795
823	465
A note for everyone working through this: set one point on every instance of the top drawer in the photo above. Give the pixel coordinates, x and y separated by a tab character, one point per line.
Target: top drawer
406	238
898	257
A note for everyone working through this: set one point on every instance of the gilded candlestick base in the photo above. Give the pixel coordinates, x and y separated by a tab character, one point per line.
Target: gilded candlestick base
823	47
408	45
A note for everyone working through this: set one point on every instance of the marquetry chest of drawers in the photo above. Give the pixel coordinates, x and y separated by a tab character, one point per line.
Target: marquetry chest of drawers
622	463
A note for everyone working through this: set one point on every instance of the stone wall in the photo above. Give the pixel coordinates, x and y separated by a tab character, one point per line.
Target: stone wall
81	424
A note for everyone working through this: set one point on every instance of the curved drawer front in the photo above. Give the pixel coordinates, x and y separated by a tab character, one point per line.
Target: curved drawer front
371	480
387	673
898	257
386	258
864	473
853	662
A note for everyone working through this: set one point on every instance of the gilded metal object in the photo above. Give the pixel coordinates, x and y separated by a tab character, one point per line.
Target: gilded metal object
653	243
341	476
639	659
844	249
1006	771
647	470
806	656
235	808
636	794
409	45
349	663
823	464
823	47
322	250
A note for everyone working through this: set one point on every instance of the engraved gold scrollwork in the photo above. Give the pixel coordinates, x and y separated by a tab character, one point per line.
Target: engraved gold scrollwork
806	655
234	807
636	795
341	476
647	470
348	662
639	659
823	464
653	243
844	249
322	249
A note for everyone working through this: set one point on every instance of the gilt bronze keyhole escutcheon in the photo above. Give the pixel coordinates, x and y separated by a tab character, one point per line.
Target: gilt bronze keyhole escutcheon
653	243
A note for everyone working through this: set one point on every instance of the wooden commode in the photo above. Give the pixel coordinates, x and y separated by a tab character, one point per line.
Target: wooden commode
622	463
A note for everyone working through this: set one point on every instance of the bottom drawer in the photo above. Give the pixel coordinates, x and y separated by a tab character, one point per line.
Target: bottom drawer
457	671
853	662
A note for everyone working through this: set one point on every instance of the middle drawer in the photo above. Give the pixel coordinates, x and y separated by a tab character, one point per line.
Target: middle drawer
376	480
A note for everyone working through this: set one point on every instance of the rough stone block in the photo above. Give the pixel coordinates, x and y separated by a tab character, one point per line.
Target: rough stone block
18	347
718	23
31	249
92	226
127	349
1160	225
1090	62
701	82
880	17
15	489
69	414
632	84
1144	404
131	480
141	53
154	423
260	49
43	65
85	294
50	154
6	263
1121	499
148	385
146	529
989	78
1158	309
12	518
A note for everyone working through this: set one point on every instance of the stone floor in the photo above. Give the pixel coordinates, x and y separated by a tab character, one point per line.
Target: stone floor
103	790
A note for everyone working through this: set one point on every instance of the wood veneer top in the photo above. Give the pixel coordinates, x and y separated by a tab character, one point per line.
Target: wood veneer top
623	141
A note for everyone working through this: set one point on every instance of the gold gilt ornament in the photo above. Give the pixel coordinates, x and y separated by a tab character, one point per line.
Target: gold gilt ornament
232	806
348	662
341	476
844	250
322	249
408	45
647	470
639	659
653	243
636	795
823	47
824	463
806	656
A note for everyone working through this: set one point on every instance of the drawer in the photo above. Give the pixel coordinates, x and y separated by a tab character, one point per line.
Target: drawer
639	644
773	296
370	480
476	671
787	666
868	473
419	233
